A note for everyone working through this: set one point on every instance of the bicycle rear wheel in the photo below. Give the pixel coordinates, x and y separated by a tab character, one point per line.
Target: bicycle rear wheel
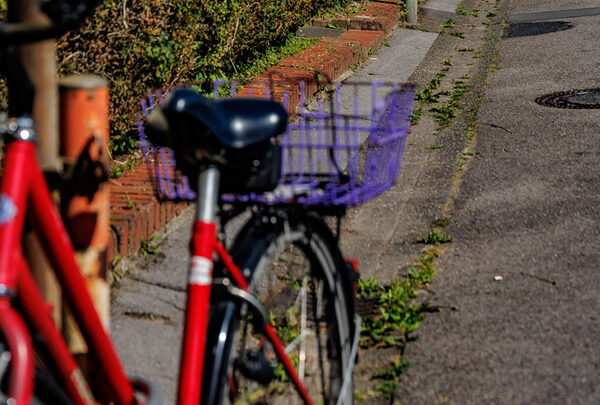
301	278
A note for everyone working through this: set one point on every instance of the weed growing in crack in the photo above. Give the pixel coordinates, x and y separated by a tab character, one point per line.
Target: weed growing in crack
149	246
426	95
440	222
118	169
399	316
130	204
435	237
448	24
390	376
116	272
460	10
436	81
416	116
459	91
444	114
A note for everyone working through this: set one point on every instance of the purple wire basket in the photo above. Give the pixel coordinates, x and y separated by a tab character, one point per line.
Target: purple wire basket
342	149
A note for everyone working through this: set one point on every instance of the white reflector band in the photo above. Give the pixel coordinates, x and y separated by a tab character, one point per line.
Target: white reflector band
200	271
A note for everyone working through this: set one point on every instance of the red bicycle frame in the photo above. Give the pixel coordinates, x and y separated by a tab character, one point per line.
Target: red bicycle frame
24	192
204	246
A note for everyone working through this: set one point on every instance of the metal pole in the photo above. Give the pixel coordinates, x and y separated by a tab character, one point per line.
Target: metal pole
411	11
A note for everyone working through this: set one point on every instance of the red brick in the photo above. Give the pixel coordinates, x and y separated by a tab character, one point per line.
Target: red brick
169	210
135	232
371	40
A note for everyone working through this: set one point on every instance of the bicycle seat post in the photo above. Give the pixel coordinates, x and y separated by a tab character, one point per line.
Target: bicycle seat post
199	286
208	194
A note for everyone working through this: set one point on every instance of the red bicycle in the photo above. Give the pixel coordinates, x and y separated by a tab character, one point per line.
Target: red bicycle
34	359
275	308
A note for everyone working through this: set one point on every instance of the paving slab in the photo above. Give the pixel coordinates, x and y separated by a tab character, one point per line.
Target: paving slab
398	59
440	9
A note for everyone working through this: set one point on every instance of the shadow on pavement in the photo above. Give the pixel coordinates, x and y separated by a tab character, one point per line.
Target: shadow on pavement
530	29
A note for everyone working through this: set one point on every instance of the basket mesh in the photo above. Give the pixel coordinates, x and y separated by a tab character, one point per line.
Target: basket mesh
342	149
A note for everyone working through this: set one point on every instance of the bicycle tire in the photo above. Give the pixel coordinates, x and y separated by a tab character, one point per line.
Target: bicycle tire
265	236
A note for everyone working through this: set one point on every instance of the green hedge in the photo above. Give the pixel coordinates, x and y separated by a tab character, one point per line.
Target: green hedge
146	44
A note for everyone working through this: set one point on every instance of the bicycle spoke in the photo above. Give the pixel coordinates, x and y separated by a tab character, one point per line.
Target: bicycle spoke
303	335
302	355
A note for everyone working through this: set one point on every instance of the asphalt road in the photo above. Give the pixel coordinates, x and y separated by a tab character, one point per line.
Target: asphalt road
520	285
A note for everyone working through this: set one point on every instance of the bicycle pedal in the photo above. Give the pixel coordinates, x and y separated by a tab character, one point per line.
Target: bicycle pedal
254	366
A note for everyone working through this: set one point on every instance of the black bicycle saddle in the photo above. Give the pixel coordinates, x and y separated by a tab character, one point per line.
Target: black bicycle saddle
236	122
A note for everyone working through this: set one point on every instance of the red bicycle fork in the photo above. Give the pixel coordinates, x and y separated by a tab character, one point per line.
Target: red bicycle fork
24	184
203	247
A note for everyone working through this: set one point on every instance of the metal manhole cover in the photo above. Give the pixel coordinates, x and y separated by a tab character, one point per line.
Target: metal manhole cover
577	99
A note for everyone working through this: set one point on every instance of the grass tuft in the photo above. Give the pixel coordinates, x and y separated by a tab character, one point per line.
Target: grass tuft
399	316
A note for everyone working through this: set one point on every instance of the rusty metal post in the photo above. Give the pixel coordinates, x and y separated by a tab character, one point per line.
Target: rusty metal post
85	198
39	61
